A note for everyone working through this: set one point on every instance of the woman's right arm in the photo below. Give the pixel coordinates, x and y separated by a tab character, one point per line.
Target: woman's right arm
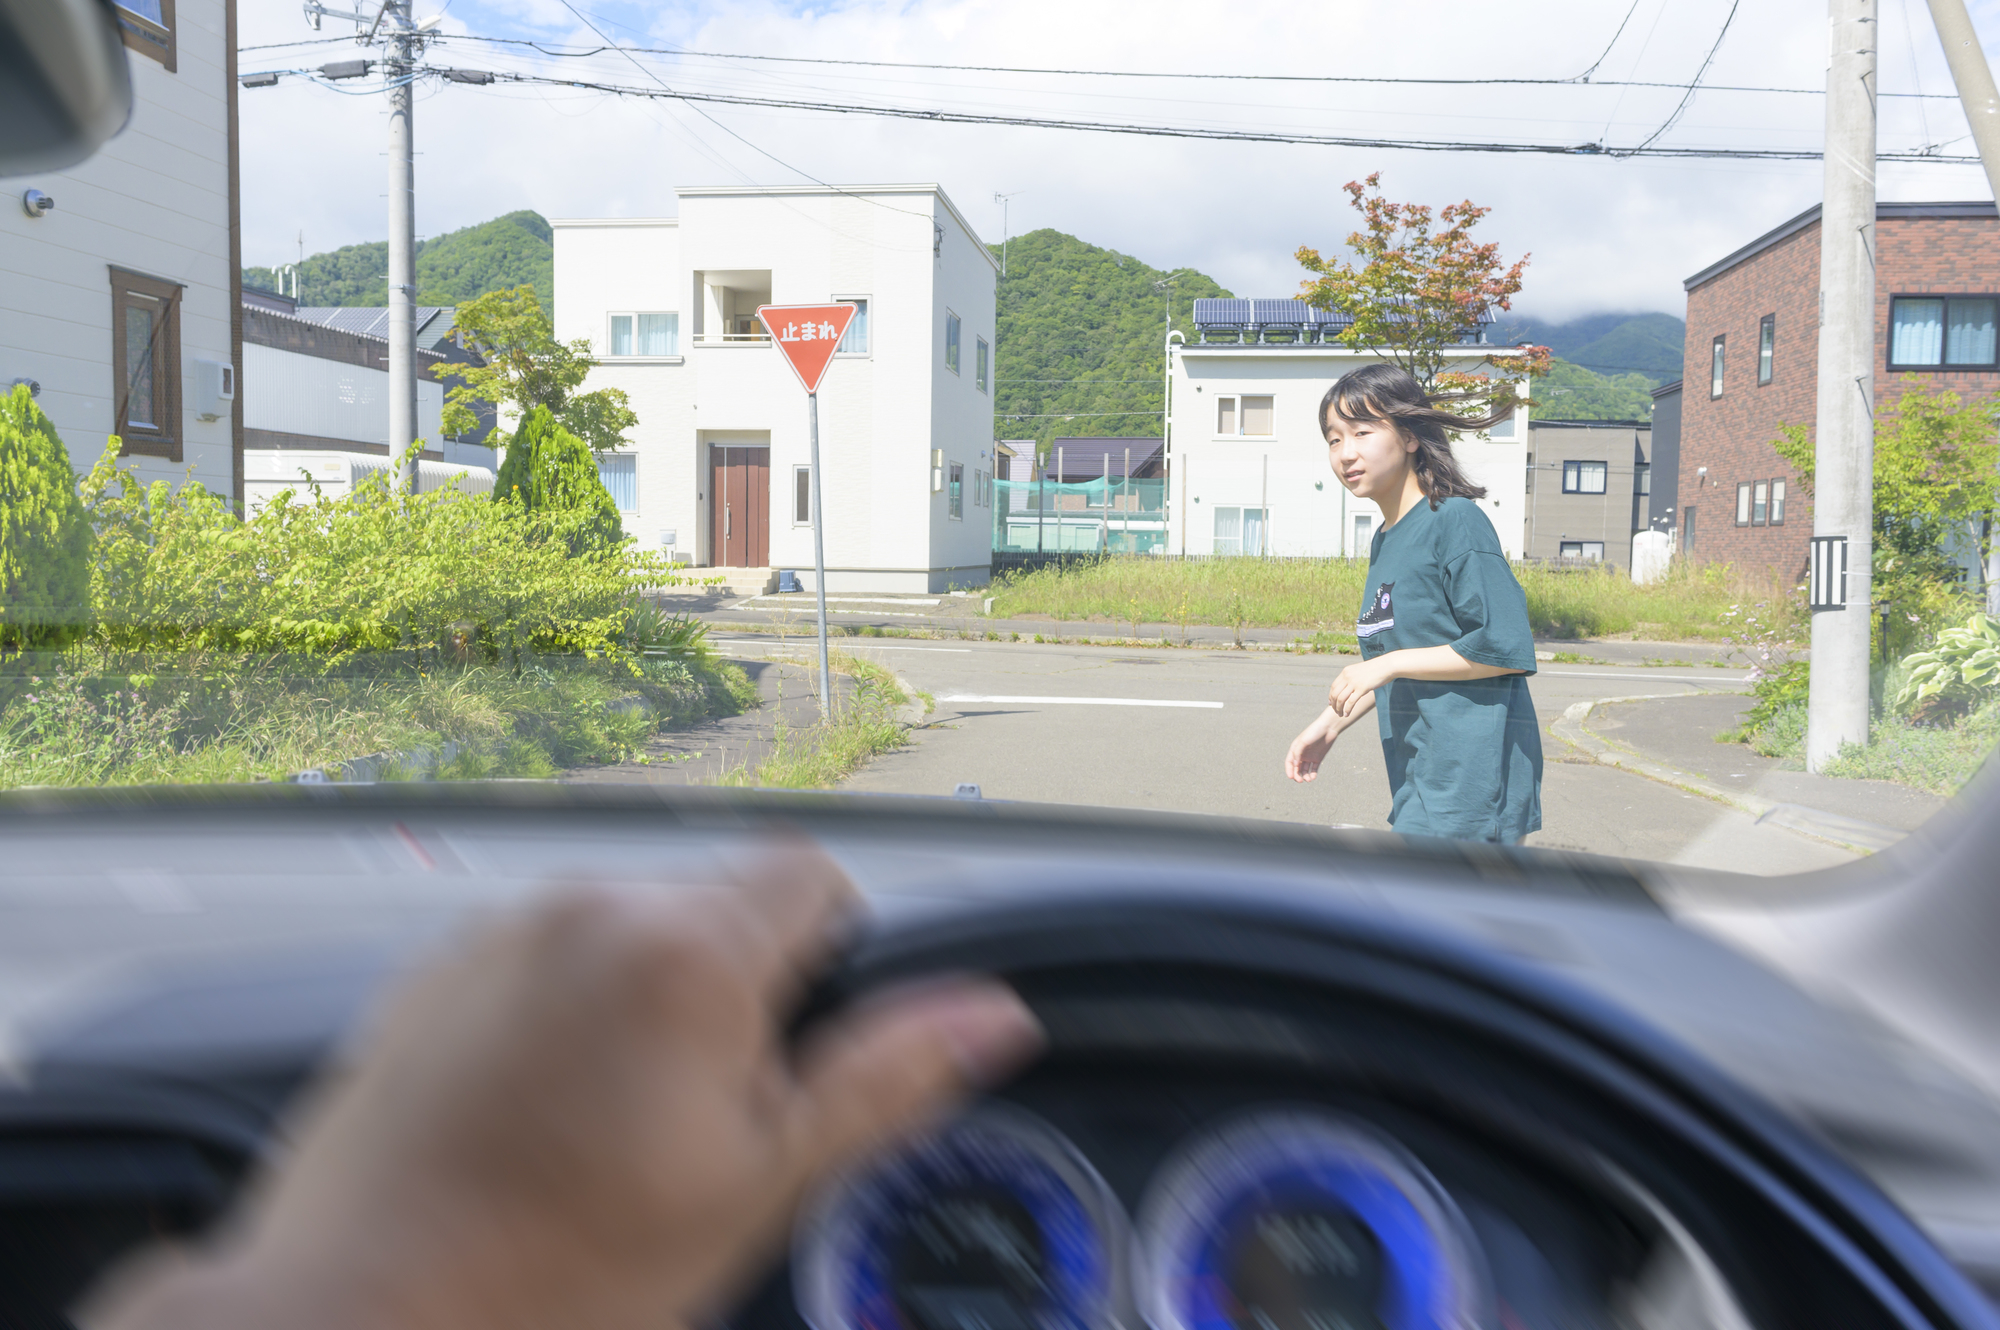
1316	740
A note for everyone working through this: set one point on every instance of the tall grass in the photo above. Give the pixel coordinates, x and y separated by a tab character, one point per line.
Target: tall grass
1323	594
819	756
223	719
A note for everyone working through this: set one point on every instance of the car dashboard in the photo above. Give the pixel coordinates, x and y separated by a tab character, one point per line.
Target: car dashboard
1295	1080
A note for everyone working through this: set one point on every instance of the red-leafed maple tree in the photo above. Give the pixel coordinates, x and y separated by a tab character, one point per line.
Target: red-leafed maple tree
1417	286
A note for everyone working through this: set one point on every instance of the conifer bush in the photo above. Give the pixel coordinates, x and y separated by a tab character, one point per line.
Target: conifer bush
548	468
44	532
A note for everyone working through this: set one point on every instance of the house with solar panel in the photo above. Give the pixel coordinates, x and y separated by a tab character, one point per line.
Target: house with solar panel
1248	462
316	399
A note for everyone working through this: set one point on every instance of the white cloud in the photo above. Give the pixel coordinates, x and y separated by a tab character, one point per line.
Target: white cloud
1605	233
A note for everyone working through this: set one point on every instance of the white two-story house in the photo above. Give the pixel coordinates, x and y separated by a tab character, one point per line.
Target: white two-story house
119	276
718	471
1248	461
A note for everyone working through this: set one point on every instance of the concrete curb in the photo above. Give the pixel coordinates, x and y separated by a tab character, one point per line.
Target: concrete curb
1847	832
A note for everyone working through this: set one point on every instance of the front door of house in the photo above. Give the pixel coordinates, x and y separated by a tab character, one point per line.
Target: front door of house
739	499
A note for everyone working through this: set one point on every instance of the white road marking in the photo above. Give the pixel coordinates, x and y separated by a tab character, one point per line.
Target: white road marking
883	614
784	598
1641	672
1074	701
843	645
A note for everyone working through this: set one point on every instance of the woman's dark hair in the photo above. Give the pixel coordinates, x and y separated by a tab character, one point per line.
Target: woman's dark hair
1385	393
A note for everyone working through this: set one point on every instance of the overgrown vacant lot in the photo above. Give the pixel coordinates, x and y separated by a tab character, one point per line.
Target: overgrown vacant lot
1322	594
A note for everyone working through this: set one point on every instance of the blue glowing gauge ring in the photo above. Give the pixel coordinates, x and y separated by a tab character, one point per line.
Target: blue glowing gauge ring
997	1191
1293	1187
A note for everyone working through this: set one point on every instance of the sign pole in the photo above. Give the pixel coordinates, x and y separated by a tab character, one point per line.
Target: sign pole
819	566
808	337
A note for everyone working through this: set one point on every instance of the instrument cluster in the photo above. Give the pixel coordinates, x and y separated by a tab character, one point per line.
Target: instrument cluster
1276	1216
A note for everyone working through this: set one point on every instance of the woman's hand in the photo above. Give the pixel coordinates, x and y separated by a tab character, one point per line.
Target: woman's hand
1313	744
1357	681
590	1116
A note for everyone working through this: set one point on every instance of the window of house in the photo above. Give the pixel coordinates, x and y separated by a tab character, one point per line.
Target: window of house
1767	336
1585	477
979	365
1642	478
148	28
1364	536
1502	429
1743	504
951	342
955	502
1760	502
802	496
645	334
1715	368
1239	530
1246	416
1590	551
620	474
854	342
146	363
1930	332
1687	531
1777	503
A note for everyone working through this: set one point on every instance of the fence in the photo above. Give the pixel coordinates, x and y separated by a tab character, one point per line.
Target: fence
1117	514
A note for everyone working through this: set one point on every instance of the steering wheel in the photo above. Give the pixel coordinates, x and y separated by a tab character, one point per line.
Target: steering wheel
1596	1169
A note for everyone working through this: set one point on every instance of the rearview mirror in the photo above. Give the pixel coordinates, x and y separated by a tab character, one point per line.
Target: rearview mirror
64	85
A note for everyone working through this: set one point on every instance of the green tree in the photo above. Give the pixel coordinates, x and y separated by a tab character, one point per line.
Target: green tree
1937	486
44	532
526	368
1420	282
549	468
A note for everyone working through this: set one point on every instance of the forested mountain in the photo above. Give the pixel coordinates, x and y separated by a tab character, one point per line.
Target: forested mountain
508	251
1648	344
1080	336
1571	392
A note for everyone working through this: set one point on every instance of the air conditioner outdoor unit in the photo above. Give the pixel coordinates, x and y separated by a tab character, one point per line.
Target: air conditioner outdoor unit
214	389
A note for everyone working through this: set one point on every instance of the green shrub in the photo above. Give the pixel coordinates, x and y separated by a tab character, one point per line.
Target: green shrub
548	468
432	576
44	532
1955	676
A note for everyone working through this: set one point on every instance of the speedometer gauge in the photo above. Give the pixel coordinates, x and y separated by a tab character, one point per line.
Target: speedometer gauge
993	1223
1300	1220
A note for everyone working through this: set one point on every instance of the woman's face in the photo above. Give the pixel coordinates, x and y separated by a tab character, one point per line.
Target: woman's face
1371	457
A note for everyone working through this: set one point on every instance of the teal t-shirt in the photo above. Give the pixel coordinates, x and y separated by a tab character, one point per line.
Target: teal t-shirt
1465	759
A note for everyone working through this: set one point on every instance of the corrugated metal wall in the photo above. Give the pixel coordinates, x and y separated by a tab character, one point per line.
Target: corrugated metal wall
294	394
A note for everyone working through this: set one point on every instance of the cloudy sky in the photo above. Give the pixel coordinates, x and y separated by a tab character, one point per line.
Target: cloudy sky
1605	233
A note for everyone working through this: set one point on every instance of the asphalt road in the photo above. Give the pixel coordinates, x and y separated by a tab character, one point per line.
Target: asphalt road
1205	731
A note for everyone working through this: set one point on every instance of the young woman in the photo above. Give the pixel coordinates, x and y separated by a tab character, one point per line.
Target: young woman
1445	646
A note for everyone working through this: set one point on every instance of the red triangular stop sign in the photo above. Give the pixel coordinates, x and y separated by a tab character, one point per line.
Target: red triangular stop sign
807	334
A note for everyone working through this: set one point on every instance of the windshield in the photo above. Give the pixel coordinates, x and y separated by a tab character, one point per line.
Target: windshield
1494	437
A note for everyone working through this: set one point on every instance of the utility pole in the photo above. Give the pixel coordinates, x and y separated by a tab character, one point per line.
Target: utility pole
1974	78
391	25
1844	437
403	47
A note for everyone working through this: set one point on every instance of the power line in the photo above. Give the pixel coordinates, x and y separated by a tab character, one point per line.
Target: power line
733	134
1694	83
1584	77
942	116
1579	80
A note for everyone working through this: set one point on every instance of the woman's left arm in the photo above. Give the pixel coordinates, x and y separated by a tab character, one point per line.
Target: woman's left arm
1437	664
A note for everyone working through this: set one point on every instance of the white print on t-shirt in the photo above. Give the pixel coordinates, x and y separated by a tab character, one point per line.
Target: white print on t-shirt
1380	615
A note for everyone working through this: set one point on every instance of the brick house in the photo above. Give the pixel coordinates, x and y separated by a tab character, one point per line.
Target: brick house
1753	345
